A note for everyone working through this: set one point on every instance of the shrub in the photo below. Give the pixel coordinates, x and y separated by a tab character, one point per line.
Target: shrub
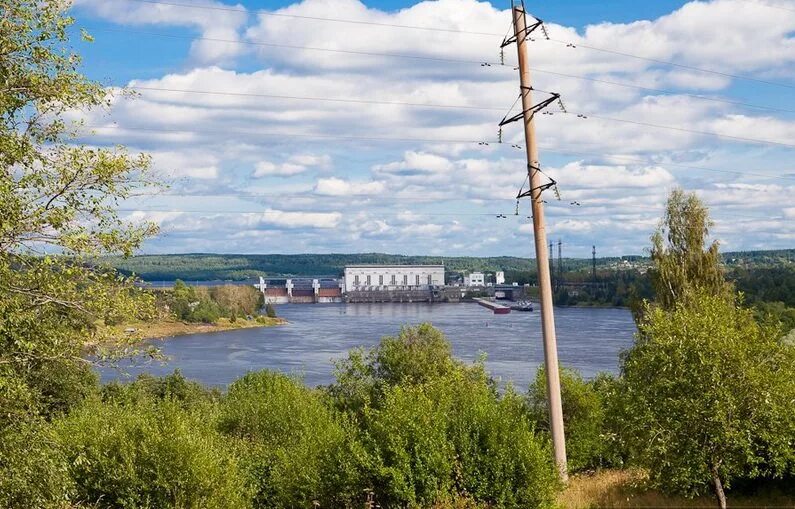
455	438
710	393
583	418
175	387
437	429
33	471
270	311
151	454
418	354
298	449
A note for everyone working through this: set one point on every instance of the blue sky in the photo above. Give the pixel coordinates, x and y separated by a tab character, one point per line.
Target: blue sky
255	166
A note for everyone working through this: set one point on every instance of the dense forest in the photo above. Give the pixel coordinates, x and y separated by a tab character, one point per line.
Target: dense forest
206	267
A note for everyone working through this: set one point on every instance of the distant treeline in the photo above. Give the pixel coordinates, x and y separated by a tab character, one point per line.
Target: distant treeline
206	267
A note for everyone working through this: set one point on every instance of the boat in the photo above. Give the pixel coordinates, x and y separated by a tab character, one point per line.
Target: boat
523	306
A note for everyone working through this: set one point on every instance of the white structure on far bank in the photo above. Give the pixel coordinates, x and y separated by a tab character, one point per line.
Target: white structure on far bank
499	277
475	279
384	277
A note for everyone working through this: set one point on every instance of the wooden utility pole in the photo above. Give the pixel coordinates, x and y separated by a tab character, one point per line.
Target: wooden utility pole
540	237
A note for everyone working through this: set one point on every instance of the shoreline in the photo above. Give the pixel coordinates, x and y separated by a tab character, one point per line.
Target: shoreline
172	328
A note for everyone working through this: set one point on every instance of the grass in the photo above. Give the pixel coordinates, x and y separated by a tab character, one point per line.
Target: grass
628	488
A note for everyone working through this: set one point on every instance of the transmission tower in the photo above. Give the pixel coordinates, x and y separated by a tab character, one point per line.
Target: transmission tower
560	263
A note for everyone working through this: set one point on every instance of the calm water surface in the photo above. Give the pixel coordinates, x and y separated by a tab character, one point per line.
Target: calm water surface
589	339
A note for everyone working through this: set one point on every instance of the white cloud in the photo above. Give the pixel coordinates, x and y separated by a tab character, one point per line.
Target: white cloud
338	187
301	219
247	132
222	23
186	164
269	169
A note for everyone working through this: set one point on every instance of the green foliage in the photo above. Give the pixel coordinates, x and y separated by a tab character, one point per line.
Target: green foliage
587	444
417	355
767	284
174	387
270	311
682	263
709	390
33	470
452	438
297	448
776	312
208	304
57	196
151	453
438	431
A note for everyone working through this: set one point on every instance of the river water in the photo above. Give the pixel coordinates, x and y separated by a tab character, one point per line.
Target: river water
589	339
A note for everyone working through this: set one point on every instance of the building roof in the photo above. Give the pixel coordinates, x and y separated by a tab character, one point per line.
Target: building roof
391	266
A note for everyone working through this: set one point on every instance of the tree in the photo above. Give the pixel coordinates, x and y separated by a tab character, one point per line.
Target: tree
56	197
682	262
709	394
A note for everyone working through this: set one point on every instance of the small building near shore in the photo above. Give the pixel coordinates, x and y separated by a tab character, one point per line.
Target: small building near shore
475	279
392	277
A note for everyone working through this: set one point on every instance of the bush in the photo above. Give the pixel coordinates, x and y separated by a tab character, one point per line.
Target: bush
454	438
418	354
270	311
583	418
709	393
33	471
174	387
151	454
437	429
298	450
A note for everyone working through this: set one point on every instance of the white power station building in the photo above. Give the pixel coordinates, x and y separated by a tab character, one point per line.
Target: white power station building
384	277
475	279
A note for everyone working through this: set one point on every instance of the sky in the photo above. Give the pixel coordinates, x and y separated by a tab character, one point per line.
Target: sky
319	126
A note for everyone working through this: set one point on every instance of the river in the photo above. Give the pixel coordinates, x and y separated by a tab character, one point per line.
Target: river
589	339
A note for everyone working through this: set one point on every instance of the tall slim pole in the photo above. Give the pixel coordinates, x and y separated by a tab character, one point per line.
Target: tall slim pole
542	262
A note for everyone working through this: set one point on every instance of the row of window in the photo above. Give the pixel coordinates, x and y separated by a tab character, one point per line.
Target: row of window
368	280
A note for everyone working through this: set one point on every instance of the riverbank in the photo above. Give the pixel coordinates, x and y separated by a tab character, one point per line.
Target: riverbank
169	328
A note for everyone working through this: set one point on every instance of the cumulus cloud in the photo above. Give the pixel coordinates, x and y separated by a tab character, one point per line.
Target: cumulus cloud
227	124
301	219
220	21
338	187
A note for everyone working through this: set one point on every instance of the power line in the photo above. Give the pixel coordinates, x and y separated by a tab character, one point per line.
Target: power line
414	27
428	140
451	106
686	130
664	164
291	46
376	138
318	18
661	90
672	64
289	135
455	60
324	99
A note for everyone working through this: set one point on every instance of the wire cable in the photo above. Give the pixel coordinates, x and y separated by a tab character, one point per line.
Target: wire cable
486	142
324	99
318	18
685	130
434	29
672	64
430	140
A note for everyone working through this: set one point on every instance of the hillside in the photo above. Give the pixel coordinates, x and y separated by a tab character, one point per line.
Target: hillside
203	266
